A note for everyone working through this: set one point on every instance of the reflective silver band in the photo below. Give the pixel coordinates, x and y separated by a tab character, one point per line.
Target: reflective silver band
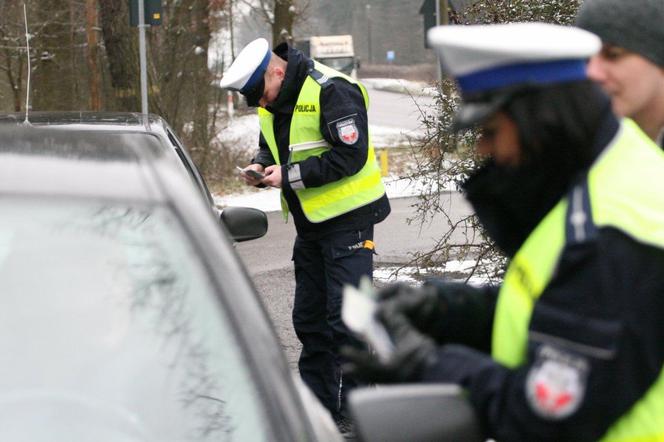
294	177
309	145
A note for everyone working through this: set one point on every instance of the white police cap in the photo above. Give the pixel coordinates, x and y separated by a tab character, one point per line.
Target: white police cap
491	62
247	71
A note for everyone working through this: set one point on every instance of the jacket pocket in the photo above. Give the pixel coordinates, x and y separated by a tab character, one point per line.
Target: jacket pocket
593	337
353	242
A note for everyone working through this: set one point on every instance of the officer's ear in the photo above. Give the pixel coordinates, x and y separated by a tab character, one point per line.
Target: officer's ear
279	72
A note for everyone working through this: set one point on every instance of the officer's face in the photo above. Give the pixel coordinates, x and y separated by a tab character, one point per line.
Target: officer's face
635	84
499	139
274	76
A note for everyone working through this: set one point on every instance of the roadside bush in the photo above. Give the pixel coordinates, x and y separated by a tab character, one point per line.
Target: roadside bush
445	159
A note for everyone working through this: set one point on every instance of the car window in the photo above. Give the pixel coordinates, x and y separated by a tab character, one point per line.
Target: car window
113	325
193	171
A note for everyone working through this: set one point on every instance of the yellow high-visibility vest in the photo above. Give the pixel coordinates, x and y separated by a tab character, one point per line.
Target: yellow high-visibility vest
306	140
624	188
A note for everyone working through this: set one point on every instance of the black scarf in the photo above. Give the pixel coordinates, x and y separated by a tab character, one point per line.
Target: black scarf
510	202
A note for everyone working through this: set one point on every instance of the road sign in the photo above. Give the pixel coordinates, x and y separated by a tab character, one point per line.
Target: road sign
153	12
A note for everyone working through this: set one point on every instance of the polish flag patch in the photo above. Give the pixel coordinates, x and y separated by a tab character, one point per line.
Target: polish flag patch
347	131
556	383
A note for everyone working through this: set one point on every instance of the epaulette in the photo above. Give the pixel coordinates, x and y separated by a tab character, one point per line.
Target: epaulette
579	225
320	77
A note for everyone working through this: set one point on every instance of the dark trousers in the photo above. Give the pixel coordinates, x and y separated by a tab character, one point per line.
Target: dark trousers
322	267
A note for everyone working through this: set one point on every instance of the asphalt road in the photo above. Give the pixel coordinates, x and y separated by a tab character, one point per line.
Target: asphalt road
268	259
397	110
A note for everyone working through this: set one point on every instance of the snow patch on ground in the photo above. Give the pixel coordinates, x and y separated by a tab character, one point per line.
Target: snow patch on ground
411	275
243	132
387	275
267	200
384	137
401	86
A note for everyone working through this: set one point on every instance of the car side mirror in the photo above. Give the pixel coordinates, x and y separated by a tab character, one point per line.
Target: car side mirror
244	223
414	412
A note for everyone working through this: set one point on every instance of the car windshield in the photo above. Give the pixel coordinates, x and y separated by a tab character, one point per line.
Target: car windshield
343	64
111	330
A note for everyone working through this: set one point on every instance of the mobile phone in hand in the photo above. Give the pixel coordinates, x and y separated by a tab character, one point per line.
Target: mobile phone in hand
250	172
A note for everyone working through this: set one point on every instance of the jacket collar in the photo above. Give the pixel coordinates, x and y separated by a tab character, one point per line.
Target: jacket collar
297	70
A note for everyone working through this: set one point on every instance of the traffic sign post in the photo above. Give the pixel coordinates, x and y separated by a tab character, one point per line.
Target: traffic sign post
152	12
144	13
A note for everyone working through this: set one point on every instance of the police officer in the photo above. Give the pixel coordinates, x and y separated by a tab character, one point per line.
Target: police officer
571	345
315	146
630	66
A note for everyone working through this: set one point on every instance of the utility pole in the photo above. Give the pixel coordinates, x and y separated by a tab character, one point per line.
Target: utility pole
230	28
137	17
143	58
91	37
229	93
368	9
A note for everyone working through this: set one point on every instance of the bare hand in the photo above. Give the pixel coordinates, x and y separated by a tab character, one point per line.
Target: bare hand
272	176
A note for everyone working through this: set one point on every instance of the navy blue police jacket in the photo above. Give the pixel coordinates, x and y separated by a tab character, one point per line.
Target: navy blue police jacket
611	278
339	100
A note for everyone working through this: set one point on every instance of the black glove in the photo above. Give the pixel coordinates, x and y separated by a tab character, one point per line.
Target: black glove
446	311
413	352
423	307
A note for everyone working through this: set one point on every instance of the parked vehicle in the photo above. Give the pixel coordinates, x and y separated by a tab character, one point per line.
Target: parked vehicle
126	314
128	123
335	51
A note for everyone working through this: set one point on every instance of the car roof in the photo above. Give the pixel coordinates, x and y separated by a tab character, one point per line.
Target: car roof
128	122
98	120
41	160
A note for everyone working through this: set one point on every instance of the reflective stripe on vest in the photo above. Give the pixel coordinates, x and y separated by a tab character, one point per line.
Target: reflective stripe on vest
624	189
333	199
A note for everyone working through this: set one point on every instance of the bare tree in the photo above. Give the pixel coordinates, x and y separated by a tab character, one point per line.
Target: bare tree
92	57
56	48
200	82
509	11
58	41
281	15
445	159
180	74
121	55
12	53
76	69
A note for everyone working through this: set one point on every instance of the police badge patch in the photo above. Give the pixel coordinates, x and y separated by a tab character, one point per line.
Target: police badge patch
556	383
347	131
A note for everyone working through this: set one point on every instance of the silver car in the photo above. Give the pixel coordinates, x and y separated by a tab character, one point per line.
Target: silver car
125	313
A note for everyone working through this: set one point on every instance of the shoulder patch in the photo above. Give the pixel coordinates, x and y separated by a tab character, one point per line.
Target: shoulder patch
347	131
556	383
